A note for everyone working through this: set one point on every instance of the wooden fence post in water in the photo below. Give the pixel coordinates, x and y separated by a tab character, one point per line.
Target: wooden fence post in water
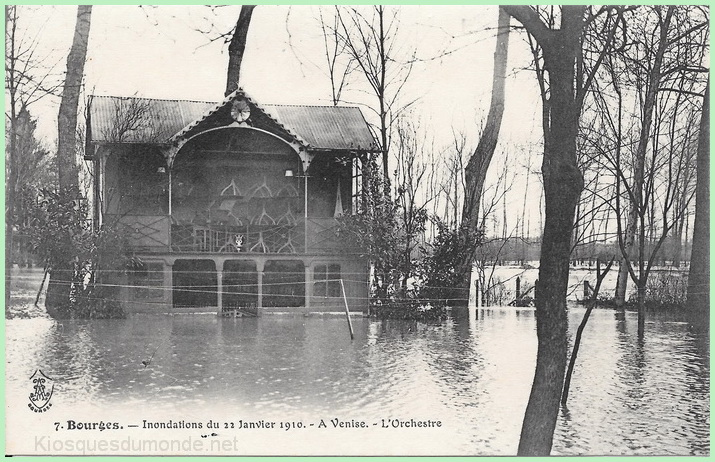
478	290
347	310
518	287
42	285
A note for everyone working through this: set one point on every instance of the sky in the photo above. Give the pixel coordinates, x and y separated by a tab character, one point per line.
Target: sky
168	52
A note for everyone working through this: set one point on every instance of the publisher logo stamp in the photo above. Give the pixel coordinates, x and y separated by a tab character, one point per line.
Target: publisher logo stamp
43	387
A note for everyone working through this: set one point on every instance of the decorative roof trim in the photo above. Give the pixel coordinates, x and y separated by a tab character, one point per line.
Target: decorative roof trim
228	99
174	148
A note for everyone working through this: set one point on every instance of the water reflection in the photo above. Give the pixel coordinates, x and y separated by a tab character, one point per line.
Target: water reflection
638	400
628	395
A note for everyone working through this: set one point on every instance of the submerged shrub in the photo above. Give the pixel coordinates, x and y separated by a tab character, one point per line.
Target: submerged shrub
443	272
76	254
409	310
666	289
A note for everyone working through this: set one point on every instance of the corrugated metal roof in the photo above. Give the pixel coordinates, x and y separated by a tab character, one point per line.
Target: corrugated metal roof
141	120
144	120
326	127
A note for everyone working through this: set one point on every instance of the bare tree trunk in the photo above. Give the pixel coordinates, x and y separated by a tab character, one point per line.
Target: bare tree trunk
523	213
680	215
237	47
11	85
563	183
476	169
622	281
699	276
640	294
62	273
637	209
67	119
621	284
678	241
381	84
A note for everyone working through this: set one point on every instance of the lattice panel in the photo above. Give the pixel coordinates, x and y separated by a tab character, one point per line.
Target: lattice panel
148	232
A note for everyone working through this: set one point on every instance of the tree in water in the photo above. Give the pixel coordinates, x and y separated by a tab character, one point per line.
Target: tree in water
649	149
699	276
649	101
564	81
65	271
476	169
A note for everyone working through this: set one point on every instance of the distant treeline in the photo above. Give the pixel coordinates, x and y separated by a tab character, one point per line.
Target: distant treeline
523	250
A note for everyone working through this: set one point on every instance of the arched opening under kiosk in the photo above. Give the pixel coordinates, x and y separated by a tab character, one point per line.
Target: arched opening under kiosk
194	284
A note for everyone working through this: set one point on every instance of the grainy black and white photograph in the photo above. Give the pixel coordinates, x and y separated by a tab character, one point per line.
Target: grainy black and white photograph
368	230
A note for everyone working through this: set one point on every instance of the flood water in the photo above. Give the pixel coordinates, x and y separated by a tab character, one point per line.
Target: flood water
628	396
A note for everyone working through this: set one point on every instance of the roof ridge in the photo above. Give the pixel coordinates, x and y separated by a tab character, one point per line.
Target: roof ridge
217	102
155	99
312	105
